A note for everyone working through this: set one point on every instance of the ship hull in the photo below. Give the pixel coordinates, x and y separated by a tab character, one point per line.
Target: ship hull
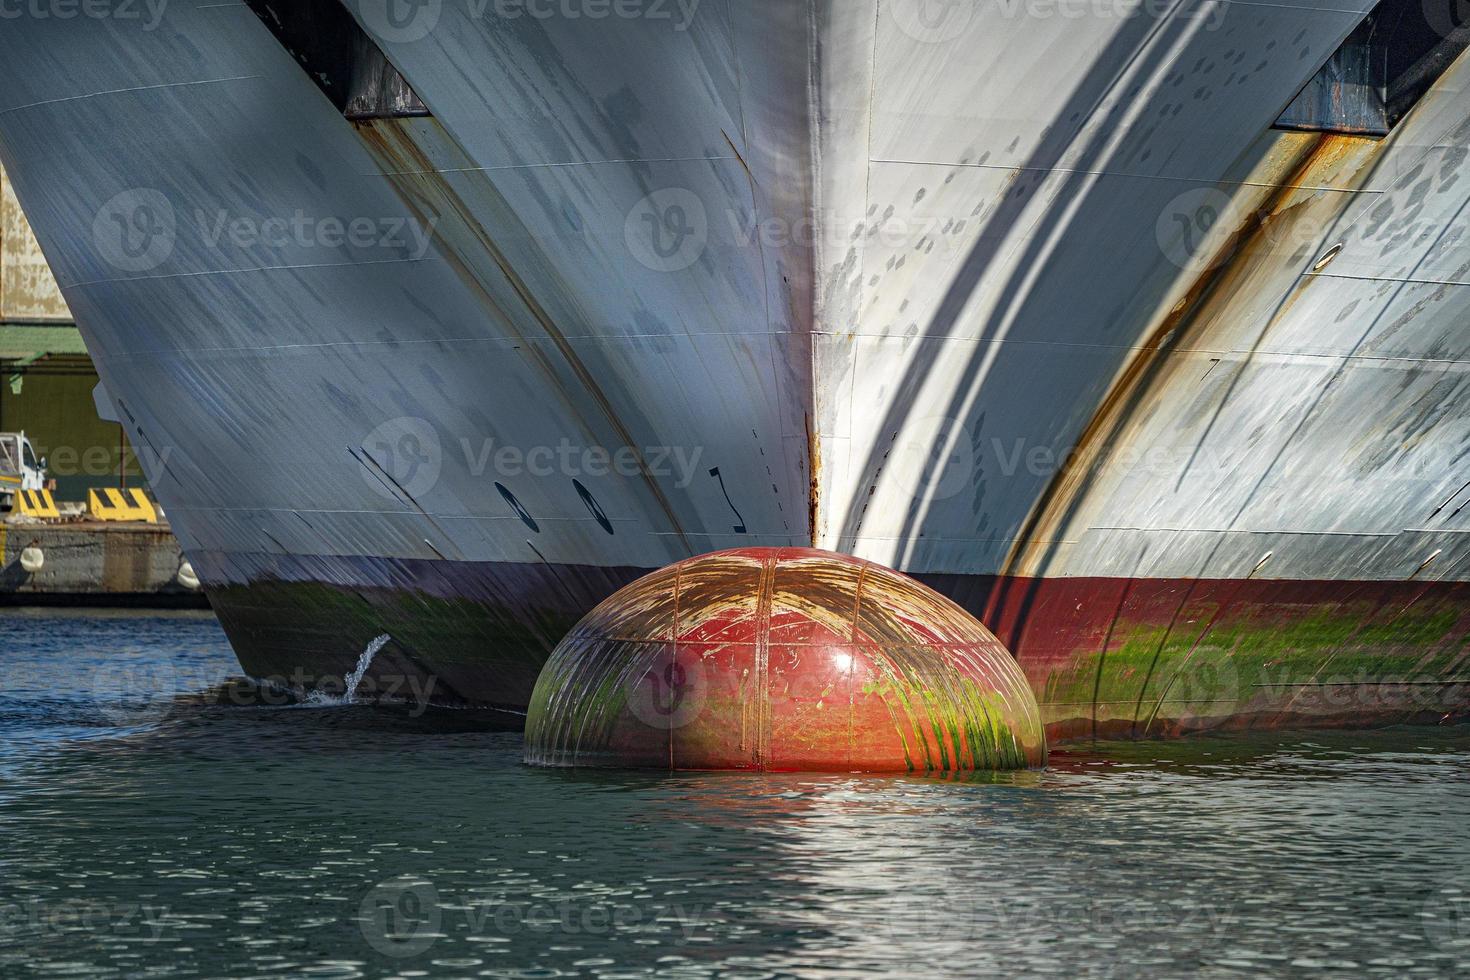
1041	310
1105	657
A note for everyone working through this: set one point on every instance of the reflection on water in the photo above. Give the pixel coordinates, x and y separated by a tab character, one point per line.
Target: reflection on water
144	833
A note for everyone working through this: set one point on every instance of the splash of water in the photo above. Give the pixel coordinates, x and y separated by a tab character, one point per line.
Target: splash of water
363	663
319	699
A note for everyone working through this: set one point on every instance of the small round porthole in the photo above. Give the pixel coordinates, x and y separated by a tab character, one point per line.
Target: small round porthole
1327	257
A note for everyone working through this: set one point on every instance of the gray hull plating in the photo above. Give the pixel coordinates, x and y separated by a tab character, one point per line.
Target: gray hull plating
966	290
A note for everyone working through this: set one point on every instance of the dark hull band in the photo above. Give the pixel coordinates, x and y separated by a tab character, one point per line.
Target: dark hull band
1105	656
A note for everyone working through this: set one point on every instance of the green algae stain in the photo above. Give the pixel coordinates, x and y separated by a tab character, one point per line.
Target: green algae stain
1320	662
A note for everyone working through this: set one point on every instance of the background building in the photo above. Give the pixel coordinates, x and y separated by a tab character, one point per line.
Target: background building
46	377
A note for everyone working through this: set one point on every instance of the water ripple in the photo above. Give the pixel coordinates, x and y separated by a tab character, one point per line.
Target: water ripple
188	831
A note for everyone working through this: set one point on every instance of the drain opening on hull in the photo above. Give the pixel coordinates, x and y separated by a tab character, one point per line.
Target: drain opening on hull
340	57
1382	70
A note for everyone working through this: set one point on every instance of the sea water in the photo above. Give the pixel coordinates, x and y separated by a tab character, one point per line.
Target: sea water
150	826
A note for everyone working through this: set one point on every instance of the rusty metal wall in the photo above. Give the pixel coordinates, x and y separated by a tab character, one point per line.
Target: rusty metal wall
28	291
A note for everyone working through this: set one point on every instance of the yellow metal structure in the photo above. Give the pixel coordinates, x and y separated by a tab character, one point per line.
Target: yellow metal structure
112	504
36	503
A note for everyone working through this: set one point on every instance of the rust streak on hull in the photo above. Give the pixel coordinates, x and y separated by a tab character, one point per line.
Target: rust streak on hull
1140	375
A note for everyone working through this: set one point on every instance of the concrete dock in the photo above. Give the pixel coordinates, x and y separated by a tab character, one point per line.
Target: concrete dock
93	563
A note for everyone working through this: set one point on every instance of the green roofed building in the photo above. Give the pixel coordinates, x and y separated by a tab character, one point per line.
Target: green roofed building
46	377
